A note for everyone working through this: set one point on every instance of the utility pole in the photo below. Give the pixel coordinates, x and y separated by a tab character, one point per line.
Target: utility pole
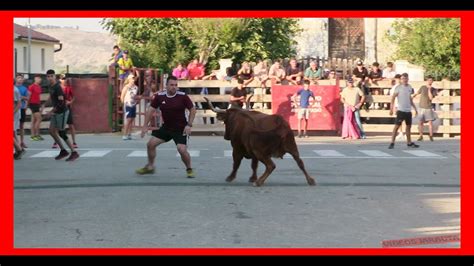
29	48
375	39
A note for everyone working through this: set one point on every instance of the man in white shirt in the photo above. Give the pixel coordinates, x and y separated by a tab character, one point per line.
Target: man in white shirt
403	94
389	72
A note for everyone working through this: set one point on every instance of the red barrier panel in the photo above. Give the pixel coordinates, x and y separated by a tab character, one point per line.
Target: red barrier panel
325	115
91	104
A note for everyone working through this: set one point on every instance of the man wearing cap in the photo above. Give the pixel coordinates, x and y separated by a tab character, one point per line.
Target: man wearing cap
125	67
361	76
353	97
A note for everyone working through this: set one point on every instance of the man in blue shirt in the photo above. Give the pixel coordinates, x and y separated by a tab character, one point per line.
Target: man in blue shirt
116	55
303	110
25	96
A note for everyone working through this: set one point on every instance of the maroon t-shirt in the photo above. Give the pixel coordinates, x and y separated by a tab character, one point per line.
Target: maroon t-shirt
173	109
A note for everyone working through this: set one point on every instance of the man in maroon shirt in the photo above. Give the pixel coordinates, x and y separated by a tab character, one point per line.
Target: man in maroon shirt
176	127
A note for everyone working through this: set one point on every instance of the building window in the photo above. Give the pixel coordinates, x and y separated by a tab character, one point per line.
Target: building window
42	59
25	59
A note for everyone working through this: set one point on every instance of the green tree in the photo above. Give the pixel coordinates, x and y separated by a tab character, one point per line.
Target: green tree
153	42
208	34
434	43
162	42
269	38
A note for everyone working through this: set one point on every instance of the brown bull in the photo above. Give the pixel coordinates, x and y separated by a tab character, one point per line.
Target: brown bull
259	137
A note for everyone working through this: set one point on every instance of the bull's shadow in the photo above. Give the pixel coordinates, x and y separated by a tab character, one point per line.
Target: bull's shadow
284	108
258	136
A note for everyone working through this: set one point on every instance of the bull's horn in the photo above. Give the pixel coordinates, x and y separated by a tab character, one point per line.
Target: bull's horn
212	106
248	102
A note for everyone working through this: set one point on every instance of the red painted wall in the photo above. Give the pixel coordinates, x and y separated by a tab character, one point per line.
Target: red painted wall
324	116
90	109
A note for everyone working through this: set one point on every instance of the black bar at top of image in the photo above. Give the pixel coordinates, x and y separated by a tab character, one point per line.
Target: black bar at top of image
238	5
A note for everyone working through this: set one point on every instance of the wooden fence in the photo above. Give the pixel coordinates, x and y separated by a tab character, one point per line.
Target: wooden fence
448	102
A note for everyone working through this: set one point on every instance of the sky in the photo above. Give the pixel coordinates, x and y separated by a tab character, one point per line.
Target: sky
85	24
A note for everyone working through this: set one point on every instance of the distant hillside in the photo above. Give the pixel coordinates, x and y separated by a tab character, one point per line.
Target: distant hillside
84	52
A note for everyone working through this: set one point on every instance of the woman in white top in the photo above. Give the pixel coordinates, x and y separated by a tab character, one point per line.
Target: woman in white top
129	98
260	72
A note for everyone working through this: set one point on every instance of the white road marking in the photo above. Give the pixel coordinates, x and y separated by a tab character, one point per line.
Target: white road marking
137	154
46	154
95	153
329	153
375	153
192	153
422	153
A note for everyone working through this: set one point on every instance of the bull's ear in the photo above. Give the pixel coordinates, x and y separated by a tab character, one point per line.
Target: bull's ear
222	116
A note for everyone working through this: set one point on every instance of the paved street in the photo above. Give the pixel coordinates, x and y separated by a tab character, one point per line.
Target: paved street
366	194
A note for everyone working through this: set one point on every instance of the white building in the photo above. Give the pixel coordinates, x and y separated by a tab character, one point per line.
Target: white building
43	48
352	38
346	38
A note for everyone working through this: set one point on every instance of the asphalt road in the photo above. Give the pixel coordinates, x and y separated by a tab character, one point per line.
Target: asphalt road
366	194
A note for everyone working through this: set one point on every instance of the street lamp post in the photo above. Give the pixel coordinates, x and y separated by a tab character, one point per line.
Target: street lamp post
29	47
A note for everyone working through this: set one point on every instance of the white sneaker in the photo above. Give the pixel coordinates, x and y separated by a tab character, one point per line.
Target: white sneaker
125	137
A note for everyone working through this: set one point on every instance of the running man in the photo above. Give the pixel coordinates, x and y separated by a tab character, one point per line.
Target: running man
403	94
59	115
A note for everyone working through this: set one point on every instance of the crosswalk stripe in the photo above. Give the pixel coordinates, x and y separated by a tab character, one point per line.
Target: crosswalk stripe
422	153
46	154
137	154
375	153
228	154
329	153
192	153
96	153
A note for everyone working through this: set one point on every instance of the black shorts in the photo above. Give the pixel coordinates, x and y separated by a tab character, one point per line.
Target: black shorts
23	115
403	116
35	108
167	135
69	118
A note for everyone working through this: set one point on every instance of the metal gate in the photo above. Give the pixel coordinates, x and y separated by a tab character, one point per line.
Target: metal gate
346	38
116	118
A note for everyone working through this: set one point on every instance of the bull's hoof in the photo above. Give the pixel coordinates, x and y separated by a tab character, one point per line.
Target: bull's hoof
230	178
257	184
311	182
252	179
